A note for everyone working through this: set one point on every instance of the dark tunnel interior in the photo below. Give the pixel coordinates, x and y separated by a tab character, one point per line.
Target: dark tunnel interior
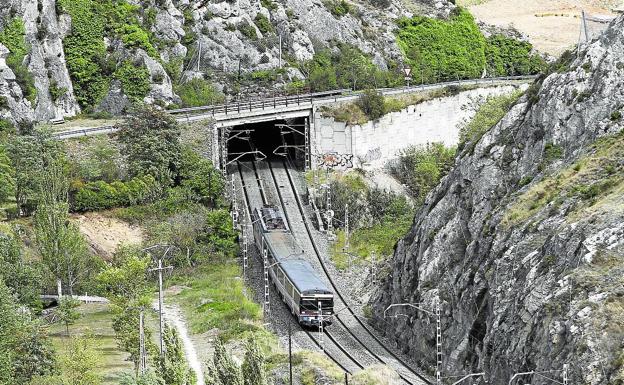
269	139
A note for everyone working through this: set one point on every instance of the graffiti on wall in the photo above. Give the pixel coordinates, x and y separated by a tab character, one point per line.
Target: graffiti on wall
334	160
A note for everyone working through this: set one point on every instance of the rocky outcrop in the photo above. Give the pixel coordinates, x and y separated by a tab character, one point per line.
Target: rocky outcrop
522	241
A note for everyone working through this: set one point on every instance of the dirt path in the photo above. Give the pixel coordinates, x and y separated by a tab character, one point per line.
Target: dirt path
174	317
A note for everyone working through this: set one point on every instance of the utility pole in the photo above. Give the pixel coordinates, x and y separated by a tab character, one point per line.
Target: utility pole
267	299
142	352
307	144
438	341
346	223
280	50
565	374
320	308
199	56
161	298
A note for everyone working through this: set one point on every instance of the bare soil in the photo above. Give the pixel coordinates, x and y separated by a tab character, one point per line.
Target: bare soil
104	234
552	26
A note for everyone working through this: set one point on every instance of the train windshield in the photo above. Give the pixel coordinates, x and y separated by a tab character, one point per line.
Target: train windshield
311	304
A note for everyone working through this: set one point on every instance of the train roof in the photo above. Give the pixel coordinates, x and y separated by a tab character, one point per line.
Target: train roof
303	276
282	245
271	218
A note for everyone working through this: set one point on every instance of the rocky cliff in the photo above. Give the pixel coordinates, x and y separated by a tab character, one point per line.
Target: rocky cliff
77	52
523	241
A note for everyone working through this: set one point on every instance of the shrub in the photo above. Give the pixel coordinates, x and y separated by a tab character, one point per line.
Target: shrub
487	115
443	49
55	91
133	36
268	4
101	195
338	8
552	152
13	37
198	92
421	168
248	31
83	49
509	57
616	115
263	24
135	80
372	104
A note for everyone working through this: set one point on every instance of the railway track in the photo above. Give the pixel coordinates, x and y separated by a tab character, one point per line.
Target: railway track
351	322
254	195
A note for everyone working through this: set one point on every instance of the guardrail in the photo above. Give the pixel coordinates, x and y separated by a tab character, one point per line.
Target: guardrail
274	102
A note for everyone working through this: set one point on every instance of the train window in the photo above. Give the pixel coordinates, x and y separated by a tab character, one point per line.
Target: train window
280	276
289	288
309	303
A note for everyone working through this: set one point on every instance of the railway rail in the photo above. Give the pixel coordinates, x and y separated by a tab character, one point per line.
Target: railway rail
254	196
350	343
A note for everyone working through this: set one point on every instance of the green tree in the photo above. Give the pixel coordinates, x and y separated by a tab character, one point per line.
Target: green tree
254	364
67	313
354	69
23	277
126	284
321	72
226	372
219	233
29	154
150	141
199	176
25	351
79	362
62	247
173	367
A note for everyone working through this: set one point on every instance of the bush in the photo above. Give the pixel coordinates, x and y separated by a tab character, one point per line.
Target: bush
198	92
133	36
443	49
263	23
421	168
13	37
487	115
616	115
510	57
338	8
248	31
372	104
55	91
135	80
100	195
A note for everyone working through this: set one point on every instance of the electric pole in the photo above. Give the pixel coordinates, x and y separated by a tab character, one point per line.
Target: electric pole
320	325
161	298
142	351
346	223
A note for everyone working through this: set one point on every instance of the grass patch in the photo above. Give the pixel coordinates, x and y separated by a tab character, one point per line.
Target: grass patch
593	178
215	299
487	115
96	319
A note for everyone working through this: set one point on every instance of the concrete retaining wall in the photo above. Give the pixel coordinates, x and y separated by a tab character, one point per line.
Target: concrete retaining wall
375	143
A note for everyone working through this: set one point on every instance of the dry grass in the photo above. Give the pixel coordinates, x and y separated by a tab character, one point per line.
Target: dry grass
595	180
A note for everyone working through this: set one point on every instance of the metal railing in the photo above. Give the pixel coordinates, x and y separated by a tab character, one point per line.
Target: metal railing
274	102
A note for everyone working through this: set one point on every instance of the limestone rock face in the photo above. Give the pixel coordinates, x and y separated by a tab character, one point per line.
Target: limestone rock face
526	261
198	37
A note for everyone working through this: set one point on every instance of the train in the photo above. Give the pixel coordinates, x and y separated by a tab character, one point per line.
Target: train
299	286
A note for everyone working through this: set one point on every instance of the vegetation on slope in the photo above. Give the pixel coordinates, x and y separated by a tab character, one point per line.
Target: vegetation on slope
13	37
441	50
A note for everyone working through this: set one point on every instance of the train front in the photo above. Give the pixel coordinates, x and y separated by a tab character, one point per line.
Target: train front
316	308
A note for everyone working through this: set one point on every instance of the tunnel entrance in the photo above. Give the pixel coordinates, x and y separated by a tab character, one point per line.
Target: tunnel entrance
276	139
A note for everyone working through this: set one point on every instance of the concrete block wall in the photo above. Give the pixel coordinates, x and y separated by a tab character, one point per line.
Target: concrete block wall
375	143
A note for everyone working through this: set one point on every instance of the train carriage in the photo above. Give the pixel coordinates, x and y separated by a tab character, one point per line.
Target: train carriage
299	286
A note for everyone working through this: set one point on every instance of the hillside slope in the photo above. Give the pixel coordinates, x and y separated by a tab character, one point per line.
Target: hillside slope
523	240
61	57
